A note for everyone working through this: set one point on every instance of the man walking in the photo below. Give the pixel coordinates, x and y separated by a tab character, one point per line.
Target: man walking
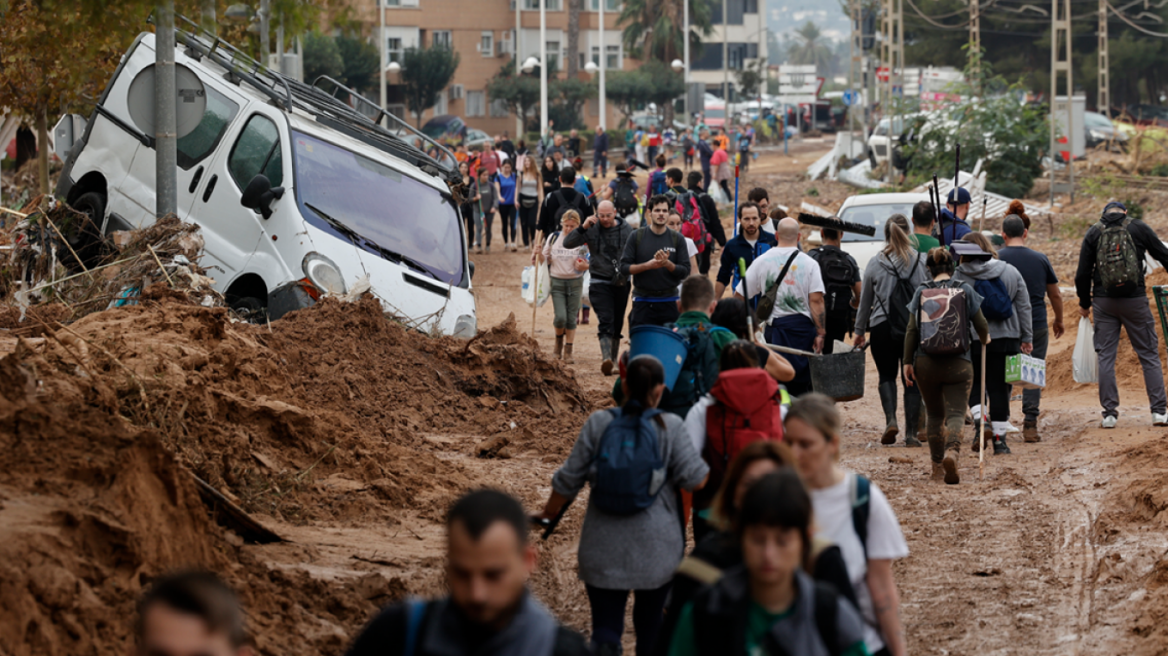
792	279
841	283
600	153
191	613
705	151
952	226
750	243
573	144
1110	282
1040	280
489	610
710	218
504	144
923	219
606	235
657	260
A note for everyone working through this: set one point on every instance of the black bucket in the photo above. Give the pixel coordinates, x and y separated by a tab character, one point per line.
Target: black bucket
840	375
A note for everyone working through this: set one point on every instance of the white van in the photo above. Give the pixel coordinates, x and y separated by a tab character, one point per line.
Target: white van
296	192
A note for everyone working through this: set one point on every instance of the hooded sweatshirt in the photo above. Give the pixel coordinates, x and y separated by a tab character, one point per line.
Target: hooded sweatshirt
950	232
1019	325
1087	280
605	246
880	278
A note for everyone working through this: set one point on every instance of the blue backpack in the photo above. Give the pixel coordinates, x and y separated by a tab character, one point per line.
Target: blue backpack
996	304
629	469
657	183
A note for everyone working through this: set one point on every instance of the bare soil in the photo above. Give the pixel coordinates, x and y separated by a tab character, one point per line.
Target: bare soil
348	436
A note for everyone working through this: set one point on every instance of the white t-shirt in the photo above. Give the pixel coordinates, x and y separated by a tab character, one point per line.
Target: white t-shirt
802	280
833	517
693	250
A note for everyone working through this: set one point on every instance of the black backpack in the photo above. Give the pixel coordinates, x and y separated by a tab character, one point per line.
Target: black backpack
566	205
897	307
839	274
625	198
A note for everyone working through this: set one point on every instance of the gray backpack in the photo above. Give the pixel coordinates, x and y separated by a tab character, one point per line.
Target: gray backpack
1117	259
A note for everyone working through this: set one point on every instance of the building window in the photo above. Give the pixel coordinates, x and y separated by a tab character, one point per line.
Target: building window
442	39
613	56
751	7
487	44
533	5
555	56
499	109
475	103
394	50
442	106
610	5
390	3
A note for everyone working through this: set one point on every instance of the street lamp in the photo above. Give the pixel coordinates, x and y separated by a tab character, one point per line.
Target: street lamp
529	64
393	67
239	12
591	68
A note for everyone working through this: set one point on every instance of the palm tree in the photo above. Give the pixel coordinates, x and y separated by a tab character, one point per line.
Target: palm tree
810	48
653	29
574	36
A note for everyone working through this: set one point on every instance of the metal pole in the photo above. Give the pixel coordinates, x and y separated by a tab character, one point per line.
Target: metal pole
603	63
725	68
384	50
265	22
543	68
1103	99
165	99
515	58
685	59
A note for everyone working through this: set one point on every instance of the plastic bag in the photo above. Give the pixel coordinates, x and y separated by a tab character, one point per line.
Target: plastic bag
1085	360
718	195
584	295
533	290
527	288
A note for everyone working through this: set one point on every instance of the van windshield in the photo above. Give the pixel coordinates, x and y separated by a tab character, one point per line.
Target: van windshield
397	213
872	215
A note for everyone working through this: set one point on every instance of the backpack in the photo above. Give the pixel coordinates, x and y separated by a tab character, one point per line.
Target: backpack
658	183
692	223
996	304
839	275
699	372
749	408
943	320
897	308
719	633
1116	258
628	465
861	495
625	198
566	205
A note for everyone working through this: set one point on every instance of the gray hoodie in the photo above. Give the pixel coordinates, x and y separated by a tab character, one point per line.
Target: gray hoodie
1019	325
879	279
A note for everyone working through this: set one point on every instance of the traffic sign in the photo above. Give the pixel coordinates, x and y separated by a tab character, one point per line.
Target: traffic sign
850	98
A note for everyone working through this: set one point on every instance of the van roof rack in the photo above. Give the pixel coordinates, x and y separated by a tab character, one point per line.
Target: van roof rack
288	94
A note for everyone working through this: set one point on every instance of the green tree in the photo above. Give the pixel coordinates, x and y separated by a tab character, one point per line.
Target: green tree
654	29
425	73
322	56
662	86
628	90
569	97
519	92
360	60
810	48
749	79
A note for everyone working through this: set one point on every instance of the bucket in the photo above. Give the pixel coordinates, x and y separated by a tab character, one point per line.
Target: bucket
662	343
840	375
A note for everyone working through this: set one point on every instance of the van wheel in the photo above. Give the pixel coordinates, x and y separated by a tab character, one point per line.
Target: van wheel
86	238
250	308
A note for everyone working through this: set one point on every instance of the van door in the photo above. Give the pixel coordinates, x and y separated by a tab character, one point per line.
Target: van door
236	236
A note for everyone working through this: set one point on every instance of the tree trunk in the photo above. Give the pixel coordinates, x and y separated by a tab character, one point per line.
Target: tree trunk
207	19
574	37
42	126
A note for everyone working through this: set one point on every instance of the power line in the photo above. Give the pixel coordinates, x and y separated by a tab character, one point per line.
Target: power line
933	22
1134	25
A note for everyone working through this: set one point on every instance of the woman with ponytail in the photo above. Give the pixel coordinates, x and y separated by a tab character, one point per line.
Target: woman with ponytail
890	280
629	550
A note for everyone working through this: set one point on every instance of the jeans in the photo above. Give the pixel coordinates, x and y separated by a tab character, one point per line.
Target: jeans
1135	317
527	219
599	163
507	216
706	177
944	383
653	313
468	216
1032	397
482	222
610	302
704	259
608	616
798	332
997	389
566	294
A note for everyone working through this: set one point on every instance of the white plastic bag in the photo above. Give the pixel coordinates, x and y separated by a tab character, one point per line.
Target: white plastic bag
584	295
1085	360
529	291
718	195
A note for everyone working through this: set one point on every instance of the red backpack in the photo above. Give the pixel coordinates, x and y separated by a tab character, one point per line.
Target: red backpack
692	225
749	408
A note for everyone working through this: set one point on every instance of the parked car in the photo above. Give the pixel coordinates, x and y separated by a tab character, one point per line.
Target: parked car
475	138
873	210
446	129
1101	132
297	194
885	139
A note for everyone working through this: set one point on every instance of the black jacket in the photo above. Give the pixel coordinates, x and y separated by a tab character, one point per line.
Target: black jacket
1087	280
710	215
605	247
564	197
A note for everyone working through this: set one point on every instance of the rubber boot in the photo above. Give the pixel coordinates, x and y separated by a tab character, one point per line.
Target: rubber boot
568	354
606	355
584	320
1030	432
912	416
888	401
559	347
616	350
937	455
949	464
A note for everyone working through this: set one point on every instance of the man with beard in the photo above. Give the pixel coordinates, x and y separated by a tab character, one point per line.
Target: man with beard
750	242
605	234
657	260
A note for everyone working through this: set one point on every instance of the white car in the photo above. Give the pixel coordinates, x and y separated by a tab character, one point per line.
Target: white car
873	210
298	195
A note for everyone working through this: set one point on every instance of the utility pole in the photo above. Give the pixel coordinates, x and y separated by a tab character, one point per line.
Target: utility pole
383	48
603	63
975	41
893	57
165	112
543	68
685	58
1060	64
725	66
1103	99
856	71
515	58
265	26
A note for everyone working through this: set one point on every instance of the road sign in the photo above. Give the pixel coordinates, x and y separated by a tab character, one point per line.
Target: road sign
850	98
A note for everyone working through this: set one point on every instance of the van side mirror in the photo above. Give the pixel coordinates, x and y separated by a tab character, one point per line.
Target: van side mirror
260	195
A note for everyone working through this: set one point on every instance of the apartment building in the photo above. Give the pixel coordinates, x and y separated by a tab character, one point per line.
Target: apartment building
483	33
745	34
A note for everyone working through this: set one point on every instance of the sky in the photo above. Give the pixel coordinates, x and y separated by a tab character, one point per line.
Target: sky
784	16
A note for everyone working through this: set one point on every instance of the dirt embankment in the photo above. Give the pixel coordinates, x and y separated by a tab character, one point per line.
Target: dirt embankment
320	417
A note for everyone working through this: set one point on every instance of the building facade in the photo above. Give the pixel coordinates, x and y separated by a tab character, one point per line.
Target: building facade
745	35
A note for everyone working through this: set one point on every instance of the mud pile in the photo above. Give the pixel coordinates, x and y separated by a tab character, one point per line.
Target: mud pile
322	416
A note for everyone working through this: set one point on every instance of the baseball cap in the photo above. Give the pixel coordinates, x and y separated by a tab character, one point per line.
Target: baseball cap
1114	205
959	196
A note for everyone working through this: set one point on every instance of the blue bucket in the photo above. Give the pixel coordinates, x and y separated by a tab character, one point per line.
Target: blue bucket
662	343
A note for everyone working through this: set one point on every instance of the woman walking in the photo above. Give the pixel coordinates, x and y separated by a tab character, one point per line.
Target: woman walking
723	173
889	281
466	210
622	548
550	174
505	188
485	201
771	605
1006	306
567	267
842	501
944	380
530	199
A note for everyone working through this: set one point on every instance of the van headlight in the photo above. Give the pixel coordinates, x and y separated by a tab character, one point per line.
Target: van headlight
466	326
323	273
